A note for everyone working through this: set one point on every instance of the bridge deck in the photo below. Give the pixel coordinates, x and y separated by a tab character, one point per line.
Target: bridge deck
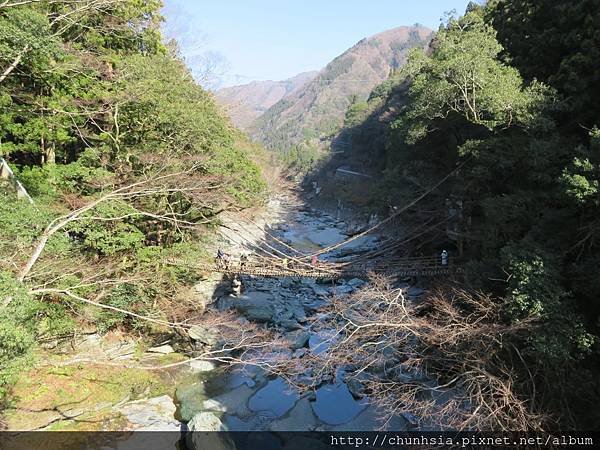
404	267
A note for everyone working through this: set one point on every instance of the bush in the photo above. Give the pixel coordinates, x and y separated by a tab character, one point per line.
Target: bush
17	326
129	297
108	237
51	180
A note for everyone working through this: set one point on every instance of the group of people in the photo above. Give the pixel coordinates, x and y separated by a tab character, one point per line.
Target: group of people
224	260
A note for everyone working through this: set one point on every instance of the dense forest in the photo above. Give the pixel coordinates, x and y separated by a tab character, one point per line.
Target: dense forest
119	160
503	107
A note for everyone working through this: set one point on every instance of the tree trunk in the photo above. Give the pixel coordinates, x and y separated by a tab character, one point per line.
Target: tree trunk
14	64
50	155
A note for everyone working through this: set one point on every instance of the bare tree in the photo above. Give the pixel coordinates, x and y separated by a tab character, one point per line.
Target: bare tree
207	66
441	361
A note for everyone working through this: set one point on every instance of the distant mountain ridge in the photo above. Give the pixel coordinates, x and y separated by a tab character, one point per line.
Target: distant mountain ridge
315	111
245	103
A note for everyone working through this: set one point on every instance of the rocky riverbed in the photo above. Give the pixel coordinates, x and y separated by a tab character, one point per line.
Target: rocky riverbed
208	396
246	398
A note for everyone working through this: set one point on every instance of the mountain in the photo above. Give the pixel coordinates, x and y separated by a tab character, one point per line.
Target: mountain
247	102
315	112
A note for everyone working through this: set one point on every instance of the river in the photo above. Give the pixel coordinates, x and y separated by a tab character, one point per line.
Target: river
246	398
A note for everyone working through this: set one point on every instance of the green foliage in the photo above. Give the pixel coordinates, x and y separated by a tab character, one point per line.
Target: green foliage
535	286
356	113
23	319
463	76
557	42
166	112
102	232
302	157
581	179
95	103
21	223
52	180
126	296
26	32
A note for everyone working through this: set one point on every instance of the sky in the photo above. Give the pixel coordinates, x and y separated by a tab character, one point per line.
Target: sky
230	42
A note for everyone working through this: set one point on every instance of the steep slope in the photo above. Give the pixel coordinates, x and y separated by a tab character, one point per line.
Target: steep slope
247	102
316	111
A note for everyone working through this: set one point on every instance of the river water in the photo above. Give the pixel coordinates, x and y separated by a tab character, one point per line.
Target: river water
246	398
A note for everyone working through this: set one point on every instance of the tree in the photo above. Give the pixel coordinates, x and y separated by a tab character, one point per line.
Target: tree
463	76
555	41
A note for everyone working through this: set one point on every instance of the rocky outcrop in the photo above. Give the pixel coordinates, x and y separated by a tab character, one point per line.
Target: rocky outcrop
155	414
201	436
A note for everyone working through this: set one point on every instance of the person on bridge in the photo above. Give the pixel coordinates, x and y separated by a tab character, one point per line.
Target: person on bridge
243	260
222	259
314	260
444	258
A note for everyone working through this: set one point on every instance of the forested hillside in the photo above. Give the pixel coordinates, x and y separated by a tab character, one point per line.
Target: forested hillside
247	102
127	162
300	125
504	101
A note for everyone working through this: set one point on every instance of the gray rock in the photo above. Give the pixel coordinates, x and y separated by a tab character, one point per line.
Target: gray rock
256	306
298	339
200	366
289	324
206	422
226	303
411	419
233	402
204	335
206	289
299	313
162	349
356	388
300	418
343	289
370	419
356	282
300	353
414	291
191	399
213	405
155	414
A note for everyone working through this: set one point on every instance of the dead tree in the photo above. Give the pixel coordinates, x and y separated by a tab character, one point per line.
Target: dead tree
443	360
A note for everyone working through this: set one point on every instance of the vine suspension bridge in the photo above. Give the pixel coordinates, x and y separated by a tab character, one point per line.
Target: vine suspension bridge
279	259
405	267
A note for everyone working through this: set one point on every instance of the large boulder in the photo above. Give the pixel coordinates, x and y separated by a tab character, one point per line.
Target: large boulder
191	399
200	434
203	335
256	306
204	292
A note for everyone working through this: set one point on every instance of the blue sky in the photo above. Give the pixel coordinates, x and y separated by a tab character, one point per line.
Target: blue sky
246	40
